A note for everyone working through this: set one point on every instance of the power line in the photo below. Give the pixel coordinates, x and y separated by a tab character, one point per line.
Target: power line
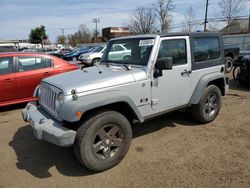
200	22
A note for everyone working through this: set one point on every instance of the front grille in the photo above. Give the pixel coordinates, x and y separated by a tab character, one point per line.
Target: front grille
48	97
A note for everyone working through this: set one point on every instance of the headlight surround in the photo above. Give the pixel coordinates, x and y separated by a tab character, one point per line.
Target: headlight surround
59	101
38	92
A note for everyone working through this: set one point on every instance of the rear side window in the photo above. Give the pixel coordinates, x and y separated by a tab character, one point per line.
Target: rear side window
206	49
48	62
33	63
6	65
116	48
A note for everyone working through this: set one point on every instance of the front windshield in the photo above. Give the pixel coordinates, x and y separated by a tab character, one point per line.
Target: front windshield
97	49
134	51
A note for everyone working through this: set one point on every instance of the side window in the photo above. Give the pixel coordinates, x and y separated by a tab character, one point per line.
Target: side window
176	49
32	63
48	62
6	65
206	49
118	48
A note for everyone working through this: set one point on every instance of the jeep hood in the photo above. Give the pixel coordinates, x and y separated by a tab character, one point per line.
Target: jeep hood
95	77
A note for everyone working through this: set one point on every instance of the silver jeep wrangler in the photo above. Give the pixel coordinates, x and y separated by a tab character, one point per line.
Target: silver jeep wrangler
93	108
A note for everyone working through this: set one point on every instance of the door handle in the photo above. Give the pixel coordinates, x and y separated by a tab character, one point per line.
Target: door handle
186	72
8	80
47	73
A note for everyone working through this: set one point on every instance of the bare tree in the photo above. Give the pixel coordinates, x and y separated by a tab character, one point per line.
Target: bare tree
189	25
83	35
163	9
230	9
142	21
61	39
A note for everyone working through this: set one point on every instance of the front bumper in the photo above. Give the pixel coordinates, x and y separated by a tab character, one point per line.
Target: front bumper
47	129
86	61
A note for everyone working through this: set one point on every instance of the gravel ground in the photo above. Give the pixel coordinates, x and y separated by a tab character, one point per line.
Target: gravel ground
170	151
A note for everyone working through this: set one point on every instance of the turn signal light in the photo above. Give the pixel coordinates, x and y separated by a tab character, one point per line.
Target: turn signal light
78	114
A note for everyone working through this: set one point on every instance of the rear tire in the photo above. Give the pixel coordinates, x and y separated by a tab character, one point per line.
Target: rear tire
103	141
209	106
228	64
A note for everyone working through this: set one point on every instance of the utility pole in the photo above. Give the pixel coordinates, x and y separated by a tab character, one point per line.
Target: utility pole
62	31
249	23
205	22
96	20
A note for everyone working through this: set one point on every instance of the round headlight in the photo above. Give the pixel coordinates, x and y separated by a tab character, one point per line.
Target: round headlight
59	101
60	97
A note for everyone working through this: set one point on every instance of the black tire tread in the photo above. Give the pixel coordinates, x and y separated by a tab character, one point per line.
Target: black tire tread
197	109
82	132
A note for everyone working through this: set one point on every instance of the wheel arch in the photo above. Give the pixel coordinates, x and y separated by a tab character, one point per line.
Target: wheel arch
91	104
210	79
229	54
122	107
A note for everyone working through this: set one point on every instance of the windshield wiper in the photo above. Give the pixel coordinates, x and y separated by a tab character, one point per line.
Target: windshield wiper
116	62
106	63
126	66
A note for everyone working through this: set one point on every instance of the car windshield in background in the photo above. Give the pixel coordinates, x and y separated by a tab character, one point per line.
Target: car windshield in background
248	47
129	51
97	49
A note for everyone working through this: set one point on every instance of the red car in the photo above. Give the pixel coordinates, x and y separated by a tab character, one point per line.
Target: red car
21	73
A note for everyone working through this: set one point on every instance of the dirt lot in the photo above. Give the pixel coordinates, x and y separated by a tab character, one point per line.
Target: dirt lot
171	151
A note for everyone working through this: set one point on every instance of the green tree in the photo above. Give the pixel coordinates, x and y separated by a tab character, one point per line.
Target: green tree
38	35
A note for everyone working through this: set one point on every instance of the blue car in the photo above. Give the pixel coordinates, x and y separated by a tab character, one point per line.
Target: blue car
74	55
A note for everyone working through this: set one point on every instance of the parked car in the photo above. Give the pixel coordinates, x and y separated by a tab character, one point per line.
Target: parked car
244	52
74	55
92	57
241	71
55	52
8	49
21	73
163	73
231	55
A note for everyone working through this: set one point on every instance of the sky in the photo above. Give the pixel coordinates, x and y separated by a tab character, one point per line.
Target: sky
18	17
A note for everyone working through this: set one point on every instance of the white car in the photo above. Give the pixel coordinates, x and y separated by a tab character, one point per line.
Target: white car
117	51
92	57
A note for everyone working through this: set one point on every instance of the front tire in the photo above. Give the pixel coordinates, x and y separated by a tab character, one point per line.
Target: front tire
103	141
209	106
96	60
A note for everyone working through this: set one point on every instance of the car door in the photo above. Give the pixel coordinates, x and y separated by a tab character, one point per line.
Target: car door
172	89
8	86
30	71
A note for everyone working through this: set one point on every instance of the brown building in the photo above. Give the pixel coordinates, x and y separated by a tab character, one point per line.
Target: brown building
112	32
237	26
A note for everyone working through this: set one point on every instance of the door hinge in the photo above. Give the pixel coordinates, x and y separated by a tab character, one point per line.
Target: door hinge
154	102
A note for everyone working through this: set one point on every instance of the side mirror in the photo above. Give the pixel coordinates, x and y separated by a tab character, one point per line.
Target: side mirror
164	63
